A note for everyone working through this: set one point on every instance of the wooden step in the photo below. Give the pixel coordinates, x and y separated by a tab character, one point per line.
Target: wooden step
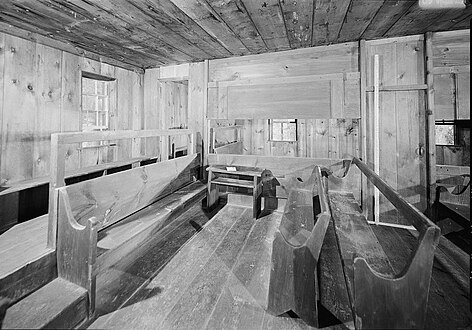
59	304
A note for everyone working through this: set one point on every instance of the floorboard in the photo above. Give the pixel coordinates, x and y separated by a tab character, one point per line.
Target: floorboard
244	296
149	305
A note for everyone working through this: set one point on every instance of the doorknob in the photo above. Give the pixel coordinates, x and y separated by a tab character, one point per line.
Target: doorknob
420	150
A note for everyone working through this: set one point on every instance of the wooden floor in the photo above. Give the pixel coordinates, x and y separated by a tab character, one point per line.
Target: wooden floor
214	274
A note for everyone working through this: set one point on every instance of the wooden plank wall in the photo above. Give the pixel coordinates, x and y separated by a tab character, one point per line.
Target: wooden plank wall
451	81
402	130
40	93
318	86
173	97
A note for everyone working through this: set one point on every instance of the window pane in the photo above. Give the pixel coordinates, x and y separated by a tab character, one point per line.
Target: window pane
445	134
88	103
88	121
88	86
276	131
100	87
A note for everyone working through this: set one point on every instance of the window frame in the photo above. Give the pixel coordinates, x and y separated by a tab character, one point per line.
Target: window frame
444	123
288	121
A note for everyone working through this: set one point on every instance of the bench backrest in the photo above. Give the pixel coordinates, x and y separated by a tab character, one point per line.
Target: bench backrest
111	198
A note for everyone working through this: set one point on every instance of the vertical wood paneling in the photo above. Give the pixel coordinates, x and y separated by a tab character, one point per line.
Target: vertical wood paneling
2	81
137	115
18	119
319	146
196	111
42	88
152	109
48	109
124	110
70	104
337	98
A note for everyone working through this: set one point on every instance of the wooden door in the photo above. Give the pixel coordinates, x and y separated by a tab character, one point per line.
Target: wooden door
402	127
174	106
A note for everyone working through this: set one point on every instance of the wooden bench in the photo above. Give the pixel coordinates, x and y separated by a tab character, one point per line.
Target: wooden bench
453	200
25	200
237	177
380	298
296	248
86	208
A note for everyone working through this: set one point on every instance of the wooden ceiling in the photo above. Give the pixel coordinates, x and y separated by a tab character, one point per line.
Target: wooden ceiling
150	33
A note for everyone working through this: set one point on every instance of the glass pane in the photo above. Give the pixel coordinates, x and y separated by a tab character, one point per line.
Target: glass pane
100	87
88	103
276	131
88	121
445	134
88	86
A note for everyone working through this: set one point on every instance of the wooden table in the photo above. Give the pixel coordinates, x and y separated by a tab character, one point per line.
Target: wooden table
235	176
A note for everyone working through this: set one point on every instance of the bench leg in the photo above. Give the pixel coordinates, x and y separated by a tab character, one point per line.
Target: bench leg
212	191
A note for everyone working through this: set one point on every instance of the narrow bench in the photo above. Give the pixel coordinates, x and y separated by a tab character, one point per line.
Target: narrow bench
28	199
453	199
238	177
380	298
296	247
86	209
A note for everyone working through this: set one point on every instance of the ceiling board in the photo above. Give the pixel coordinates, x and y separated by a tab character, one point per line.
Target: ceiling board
238	20
298	17
328	19
268	18
151	33
386	17
202	13
358	18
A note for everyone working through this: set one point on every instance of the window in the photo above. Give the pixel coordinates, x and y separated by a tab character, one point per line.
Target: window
445	133
283	129
95	104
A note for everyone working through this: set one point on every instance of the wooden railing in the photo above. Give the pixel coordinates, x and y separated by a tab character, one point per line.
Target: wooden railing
59	147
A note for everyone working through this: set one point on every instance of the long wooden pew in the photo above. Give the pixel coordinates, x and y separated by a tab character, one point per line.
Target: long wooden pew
379	297
452	198
86	208
296	248
82	212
